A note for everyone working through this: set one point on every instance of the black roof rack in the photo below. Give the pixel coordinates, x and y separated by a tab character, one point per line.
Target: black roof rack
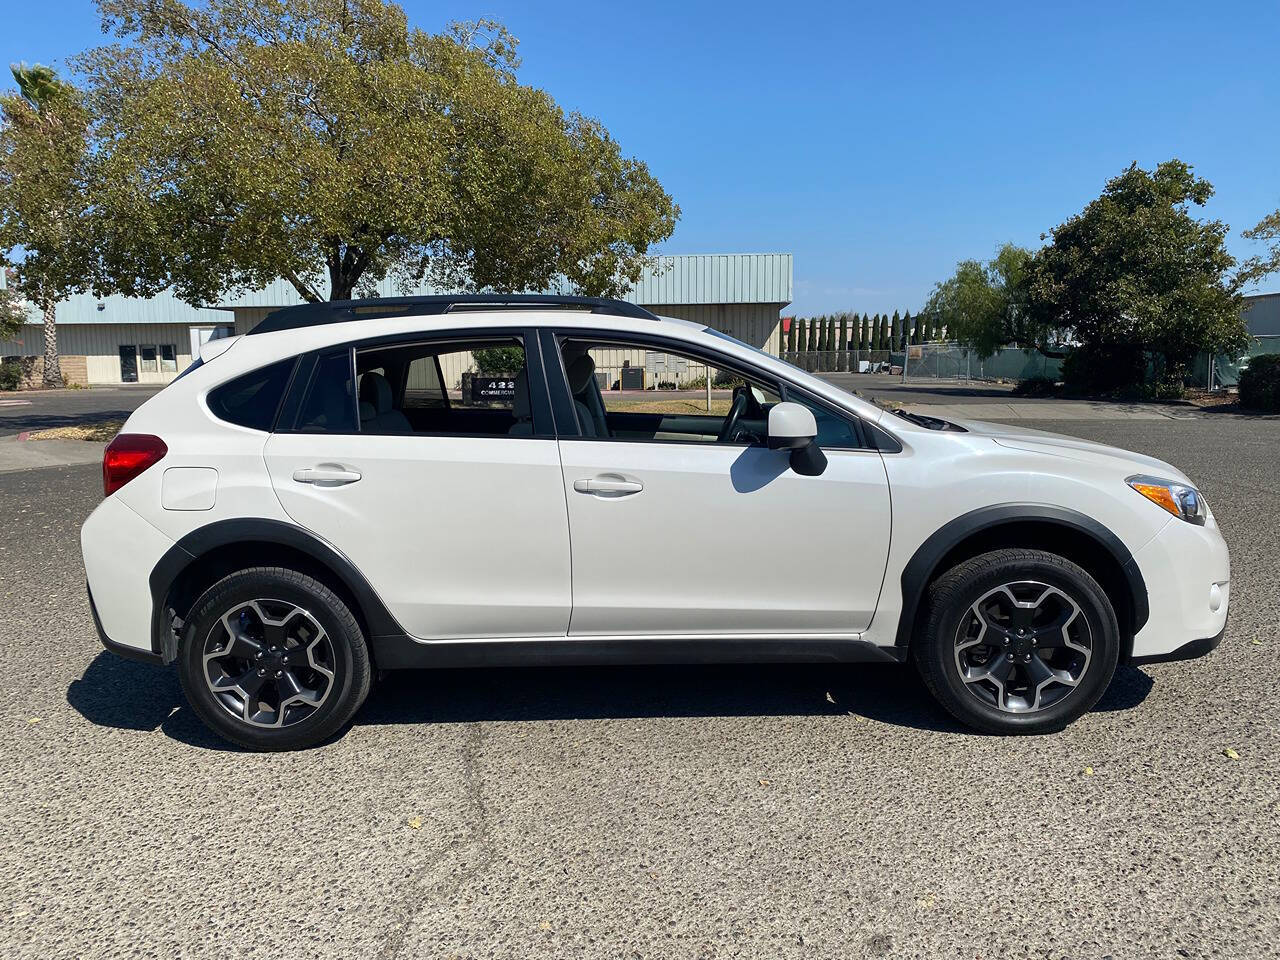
342	311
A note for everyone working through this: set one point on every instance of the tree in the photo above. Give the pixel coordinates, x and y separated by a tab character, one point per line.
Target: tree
12	314
1267	229
1135	277
882	336
864	334
830	338
913	329
895	335
983	305
244	141
843	343
791	334
43	205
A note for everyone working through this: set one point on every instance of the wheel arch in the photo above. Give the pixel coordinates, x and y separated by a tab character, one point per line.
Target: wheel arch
1068	533
209	553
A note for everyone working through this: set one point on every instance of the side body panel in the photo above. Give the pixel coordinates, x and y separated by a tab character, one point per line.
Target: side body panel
460	536
724	539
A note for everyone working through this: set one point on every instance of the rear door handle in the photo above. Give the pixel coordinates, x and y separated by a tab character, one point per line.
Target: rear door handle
327	475
615	486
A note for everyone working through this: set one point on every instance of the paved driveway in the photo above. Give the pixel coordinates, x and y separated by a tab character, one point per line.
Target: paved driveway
42	409
657	812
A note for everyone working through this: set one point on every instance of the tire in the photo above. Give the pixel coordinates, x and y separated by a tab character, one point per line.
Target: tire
264	623
1005	692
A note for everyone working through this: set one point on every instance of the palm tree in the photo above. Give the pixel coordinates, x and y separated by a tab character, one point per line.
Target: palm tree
41	200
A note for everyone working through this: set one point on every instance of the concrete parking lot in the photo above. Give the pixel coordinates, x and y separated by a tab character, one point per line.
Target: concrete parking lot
645	812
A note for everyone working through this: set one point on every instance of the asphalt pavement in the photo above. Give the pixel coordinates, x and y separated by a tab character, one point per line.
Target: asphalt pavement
43	409
774	812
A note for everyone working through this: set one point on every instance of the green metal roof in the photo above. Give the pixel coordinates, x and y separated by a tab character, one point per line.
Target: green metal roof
672	280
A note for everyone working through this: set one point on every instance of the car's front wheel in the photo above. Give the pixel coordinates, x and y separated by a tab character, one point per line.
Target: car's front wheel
272	659
1017	641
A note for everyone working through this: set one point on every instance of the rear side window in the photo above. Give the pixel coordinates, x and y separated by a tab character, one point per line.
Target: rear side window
330	403
252	399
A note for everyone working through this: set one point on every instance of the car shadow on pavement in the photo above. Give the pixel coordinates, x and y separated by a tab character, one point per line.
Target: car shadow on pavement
136	696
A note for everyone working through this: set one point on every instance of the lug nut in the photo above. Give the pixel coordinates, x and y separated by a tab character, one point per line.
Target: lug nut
262	673
280	673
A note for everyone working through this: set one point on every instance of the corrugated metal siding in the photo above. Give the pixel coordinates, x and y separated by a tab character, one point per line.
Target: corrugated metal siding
100	345
735	278
1262	314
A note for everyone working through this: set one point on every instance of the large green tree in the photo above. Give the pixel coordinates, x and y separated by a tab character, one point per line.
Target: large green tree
1136	277
243	141
1268	231
43	196
984	305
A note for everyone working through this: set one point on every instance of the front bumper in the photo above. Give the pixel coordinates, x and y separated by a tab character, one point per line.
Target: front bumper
1190	650
1187	571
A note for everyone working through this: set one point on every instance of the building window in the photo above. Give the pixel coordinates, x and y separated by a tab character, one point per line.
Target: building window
168	358
147	358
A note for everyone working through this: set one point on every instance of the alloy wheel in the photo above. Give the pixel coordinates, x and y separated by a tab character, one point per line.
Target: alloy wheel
269	663
1023	646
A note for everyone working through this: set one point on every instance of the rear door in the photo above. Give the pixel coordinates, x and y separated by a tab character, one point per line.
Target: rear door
683	524
457	521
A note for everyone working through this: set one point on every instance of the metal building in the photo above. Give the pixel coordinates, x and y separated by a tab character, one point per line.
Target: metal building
153	340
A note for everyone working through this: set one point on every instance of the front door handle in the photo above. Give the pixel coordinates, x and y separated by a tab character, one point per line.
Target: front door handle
326	475
608	486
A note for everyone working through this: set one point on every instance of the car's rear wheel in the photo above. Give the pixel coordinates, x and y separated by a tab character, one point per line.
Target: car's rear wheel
1017	641
272	659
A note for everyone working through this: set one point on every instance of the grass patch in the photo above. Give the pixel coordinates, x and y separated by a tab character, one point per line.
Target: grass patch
719	408
99	432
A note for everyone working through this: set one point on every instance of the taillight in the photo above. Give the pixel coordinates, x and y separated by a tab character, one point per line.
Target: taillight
127	456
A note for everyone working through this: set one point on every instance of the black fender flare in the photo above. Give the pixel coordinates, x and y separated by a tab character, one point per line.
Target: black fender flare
249	530
922	566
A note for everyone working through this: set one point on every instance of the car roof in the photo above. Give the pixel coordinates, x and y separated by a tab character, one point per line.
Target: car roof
345	311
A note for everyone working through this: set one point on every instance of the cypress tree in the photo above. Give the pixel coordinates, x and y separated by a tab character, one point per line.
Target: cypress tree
812	326
822	333
884	331
831	335
895	332
844	333
791	336
913	330
864	335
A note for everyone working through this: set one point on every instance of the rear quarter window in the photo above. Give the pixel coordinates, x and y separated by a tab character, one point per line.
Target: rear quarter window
252	399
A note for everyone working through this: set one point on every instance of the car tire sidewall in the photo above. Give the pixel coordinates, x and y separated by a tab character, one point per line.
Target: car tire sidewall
351	660
946	617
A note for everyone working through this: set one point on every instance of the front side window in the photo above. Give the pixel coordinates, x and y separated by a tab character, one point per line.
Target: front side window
833	430
460	387
631	391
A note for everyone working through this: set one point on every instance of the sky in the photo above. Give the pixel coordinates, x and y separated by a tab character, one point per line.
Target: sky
879	143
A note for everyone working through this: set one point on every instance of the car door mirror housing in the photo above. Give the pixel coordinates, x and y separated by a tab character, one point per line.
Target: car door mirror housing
791	426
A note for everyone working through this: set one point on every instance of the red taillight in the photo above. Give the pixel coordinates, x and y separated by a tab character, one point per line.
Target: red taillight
127	456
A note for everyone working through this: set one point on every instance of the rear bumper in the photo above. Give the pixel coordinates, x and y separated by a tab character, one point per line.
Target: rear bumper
120	550
129	653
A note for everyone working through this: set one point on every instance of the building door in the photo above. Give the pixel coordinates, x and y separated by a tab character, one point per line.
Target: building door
128	363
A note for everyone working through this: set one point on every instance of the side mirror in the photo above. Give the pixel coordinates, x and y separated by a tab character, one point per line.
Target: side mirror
792	427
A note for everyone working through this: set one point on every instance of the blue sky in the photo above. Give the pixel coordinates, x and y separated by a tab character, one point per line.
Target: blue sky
880	143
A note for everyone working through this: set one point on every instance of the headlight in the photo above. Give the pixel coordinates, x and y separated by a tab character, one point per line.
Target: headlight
1180	499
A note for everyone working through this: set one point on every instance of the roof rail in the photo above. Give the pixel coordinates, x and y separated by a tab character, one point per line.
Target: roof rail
343	311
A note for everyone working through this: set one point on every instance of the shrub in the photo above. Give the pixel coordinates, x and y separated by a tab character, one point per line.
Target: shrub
10	376
499	360
1036	387
1260	383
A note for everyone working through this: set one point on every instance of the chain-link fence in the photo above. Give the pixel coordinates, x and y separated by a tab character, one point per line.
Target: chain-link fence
930	361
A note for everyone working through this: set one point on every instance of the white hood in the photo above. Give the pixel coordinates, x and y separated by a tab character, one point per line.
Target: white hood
1072	448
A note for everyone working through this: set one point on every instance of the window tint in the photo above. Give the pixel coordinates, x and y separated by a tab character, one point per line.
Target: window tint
330	403
252	399
833	430
629	391
472	387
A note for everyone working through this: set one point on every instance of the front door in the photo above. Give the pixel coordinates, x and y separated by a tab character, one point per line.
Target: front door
452	509
128	364
682	523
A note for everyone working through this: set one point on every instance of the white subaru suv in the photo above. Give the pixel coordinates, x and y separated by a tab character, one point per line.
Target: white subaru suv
470	481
